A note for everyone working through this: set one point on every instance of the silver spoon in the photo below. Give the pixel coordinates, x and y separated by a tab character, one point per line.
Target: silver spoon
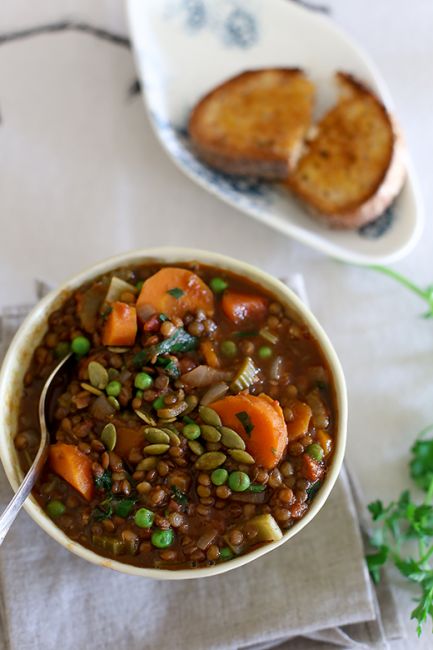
10	513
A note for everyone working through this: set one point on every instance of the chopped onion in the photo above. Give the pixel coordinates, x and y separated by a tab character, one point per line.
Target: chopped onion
250	497
215	392
117	287
276	369
206	539
204	376
101	408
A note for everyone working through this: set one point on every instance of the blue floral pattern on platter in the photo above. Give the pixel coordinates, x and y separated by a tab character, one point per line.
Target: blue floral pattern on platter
379	226
246	191
230	20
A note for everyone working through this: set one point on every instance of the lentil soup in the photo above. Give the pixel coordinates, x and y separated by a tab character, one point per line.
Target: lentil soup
198	422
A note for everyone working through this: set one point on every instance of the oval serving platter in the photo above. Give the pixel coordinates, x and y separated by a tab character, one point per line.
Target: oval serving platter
183	48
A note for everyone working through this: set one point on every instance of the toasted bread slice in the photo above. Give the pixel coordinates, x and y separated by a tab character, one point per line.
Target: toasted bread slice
254	123
354	165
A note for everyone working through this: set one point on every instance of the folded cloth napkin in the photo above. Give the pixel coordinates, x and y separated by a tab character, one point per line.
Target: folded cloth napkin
312	592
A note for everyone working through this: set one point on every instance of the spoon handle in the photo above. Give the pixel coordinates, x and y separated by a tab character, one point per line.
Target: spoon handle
9	515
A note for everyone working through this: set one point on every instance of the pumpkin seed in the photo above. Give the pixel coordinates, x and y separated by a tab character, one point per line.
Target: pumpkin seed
98	375
196	447
241	456
210	460
174	438
109	436
172	411
155	450
209	433
117	350
164	421
91	389
147	463
156	436
209	416
145	417
192	401
114	402
231	439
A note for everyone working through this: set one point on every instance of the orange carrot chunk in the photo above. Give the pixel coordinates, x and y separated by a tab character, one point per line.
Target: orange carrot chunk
298	427
128	439
311	469
72	465
121	325
208	351
174	292
259	421
239	307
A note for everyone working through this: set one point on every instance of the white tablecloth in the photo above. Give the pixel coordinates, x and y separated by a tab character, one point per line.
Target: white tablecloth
83	177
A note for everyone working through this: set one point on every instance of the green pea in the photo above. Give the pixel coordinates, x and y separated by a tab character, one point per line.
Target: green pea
219	476
191	431
265	352
229	348
80	345
113	388
143	518
226	553
162	538
61	349
315	451
239	481
55	508
158	403
143	381
218	285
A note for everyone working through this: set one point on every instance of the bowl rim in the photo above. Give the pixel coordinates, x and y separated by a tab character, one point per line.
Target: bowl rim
34	326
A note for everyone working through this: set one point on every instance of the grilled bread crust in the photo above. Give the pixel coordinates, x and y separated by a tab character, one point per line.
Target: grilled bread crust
254	123
354	165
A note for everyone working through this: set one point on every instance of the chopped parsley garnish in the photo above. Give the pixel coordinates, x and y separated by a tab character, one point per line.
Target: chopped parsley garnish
163	317
245	420
255	487
176	292
179	496
180	341
245	333
104	481
170	366
123	508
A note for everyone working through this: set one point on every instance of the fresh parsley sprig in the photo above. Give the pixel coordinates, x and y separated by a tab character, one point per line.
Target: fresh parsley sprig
403	532
424	294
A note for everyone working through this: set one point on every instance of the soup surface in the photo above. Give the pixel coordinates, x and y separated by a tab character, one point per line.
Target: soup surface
197	424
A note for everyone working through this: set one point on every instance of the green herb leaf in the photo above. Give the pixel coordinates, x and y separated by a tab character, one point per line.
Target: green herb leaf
180	341
104	510
124	507
179	496
255	487
246	333
421	465
403	521
104	481
170	366
245	420
176	292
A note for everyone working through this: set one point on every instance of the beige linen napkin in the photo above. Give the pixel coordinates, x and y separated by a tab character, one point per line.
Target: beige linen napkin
312	592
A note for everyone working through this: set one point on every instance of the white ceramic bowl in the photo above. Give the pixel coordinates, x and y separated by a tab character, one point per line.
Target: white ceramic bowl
32	331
